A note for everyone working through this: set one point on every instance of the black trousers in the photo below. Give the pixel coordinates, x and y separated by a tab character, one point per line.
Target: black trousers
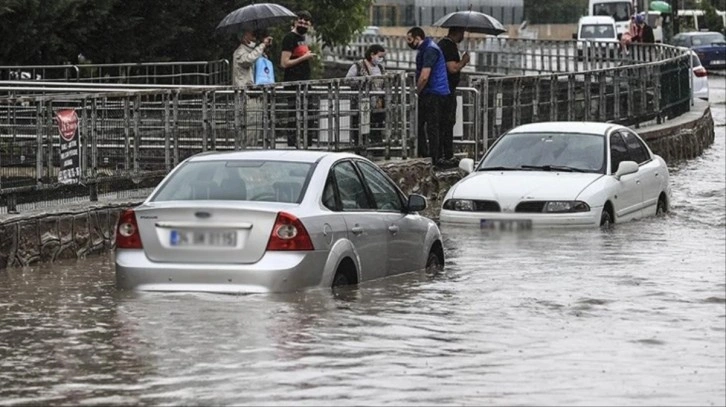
448	120
430	112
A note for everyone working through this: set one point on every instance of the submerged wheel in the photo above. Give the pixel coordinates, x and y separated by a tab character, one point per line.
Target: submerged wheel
662	208
344	276
434	263
605	218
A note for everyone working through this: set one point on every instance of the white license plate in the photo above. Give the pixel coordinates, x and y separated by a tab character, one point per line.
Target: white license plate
185	238
506	224
718	62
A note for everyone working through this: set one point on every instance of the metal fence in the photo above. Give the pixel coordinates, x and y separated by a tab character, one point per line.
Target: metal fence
132	134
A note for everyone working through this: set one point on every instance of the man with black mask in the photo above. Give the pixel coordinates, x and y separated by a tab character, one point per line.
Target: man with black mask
295	60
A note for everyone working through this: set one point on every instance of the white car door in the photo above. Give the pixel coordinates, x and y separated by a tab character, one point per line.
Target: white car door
366	229
628	198
406	232
651	173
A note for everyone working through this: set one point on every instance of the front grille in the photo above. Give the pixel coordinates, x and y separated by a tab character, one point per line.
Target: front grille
487	206
530	207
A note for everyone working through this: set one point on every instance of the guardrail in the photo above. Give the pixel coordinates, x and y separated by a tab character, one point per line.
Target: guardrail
134	133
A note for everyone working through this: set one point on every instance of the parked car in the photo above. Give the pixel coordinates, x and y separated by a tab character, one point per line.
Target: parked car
273	221
710	46
560	174
700	78
596	35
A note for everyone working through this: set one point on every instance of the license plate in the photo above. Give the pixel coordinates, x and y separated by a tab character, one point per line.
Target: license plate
184	238
718	62
506	224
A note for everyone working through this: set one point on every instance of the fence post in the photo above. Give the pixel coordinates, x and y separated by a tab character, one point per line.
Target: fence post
485	117
212	120
205	123
137	136
167	132
175	127
237	119
48	121
127	134
94	138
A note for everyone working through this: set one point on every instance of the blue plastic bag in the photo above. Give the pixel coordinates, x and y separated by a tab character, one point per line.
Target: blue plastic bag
264	72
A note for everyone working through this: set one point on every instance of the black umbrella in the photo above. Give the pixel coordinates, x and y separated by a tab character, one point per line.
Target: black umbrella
472	21
255	16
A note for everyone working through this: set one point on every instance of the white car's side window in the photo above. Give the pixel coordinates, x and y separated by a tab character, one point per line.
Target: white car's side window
637	150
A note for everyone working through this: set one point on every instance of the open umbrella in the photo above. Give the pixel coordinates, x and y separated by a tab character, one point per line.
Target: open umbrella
472	21
253	17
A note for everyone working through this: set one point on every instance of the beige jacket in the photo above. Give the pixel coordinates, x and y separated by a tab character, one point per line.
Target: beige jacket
243	65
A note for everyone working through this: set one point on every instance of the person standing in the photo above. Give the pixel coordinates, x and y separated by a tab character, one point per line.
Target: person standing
454	64
643	32
432	87
295	61
243	75
371	65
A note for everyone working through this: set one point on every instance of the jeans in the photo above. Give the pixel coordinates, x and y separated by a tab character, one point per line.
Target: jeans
430	112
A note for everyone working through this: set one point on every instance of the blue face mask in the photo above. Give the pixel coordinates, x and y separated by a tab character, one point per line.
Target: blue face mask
377	60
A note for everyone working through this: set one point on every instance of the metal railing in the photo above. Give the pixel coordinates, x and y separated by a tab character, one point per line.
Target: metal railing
133	131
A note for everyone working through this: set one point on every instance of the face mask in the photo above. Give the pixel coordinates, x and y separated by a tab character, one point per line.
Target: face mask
377	60
302	30
412	45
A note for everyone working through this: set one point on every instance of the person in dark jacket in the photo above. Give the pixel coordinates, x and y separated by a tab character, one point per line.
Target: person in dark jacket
454	64
643	32
432	87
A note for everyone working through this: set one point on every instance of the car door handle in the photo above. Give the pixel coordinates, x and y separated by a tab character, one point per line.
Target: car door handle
393	229
357	230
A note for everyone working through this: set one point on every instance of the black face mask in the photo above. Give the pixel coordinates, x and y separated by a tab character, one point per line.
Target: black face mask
301	30
412	45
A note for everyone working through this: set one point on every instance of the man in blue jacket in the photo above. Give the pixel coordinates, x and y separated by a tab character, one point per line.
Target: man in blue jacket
432	87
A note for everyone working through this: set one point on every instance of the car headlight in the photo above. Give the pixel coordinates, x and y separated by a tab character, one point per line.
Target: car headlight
459	205
565	206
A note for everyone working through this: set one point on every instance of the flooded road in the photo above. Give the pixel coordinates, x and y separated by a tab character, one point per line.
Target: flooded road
631	316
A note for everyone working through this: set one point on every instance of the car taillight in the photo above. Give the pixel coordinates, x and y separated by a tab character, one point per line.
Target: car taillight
700	72
289	234
127	231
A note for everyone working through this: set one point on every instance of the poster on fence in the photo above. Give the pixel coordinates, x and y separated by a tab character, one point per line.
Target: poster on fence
70	163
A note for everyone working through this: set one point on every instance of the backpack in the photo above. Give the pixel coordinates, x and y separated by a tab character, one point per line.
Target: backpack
361	67
264	72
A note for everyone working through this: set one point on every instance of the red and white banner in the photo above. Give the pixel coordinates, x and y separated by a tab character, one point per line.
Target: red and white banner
70	168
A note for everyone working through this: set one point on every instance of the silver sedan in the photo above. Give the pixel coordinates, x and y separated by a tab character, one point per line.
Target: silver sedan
273	221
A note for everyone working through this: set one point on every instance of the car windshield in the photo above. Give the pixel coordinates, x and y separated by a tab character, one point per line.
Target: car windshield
707	39
548	151
619	11
597	31
237	180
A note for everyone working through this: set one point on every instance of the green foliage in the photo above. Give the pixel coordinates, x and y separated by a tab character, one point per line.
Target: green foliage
39	32
714	22
554	11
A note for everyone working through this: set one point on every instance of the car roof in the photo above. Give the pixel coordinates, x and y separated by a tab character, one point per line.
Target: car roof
596	20
696	33
309	156
566	127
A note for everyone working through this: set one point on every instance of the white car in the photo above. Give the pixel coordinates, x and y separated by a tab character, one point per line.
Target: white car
273	221
597	36
560	174
700	78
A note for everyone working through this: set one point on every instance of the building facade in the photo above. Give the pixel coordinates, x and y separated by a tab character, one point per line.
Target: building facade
426	12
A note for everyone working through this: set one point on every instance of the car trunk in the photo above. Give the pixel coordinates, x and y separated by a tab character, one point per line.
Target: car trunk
204	232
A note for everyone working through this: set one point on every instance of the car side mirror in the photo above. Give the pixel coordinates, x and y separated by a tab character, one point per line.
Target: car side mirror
466	165
625	168
416	203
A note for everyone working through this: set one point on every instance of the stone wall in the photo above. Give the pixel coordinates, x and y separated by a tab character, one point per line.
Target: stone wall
82	230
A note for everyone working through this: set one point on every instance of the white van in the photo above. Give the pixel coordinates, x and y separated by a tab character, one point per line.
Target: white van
597	31
619	10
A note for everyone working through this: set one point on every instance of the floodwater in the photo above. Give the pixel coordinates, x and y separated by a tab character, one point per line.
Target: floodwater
635	315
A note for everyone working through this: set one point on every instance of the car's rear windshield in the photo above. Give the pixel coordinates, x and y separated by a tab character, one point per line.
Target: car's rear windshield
237	180
707	39
598	31
585	152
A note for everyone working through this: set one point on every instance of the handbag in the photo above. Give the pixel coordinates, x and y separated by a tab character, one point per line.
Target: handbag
264	72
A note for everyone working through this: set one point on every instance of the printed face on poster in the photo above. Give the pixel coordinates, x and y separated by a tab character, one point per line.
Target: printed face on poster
70	163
